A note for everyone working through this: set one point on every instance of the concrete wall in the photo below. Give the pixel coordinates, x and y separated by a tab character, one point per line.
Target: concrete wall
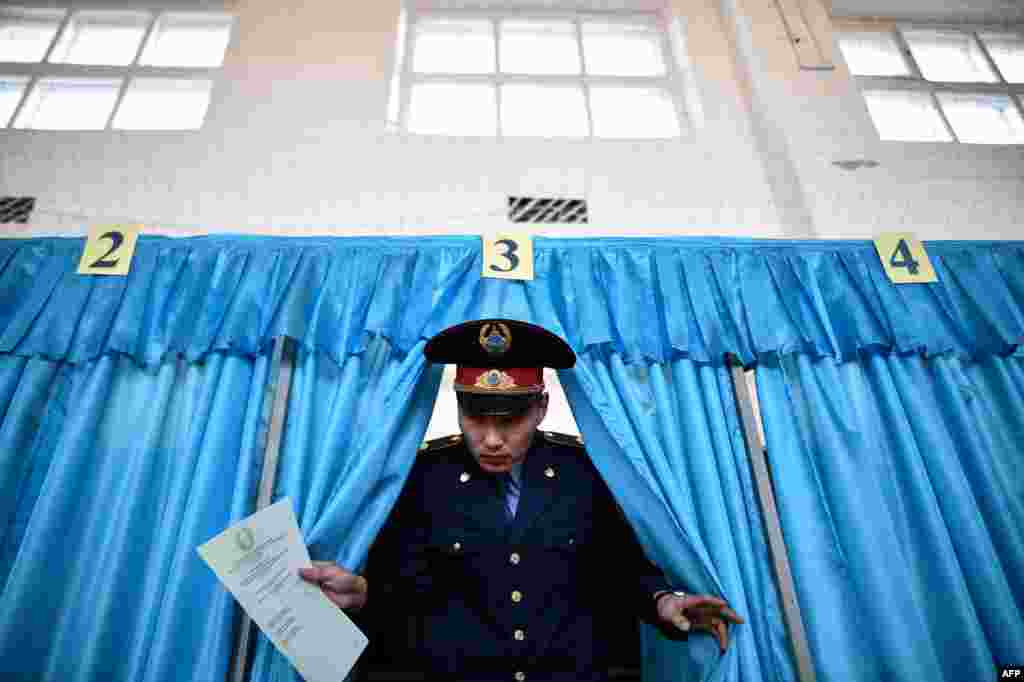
295	142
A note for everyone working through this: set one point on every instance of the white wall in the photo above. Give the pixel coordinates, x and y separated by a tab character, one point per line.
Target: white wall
295	142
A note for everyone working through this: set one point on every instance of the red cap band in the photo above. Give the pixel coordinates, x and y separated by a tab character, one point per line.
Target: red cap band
507	381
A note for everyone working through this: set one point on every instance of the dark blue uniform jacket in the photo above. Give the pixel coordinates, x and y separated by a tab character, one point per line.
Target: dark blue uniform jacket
462	594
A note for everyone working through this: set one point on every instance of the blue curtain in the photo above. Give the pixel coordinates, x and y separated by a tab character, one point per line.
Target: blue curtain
351	439
110	476
667	439
900	495
93	402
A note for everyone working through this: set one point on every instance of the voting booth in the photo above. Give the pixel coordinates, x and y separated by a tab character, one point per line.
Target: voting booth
826	434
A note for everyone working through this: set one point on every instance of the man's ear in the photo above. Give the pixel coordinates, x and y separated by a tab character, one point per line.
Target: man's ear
542	406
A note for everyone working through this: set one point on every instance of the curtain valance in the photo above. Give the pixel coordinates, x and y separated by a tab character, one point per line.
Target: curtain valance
655	298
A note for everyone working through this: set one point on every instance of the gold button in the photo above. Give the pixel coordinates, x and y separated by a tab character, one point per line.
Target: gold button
464	477
457	546
519	635
572	541
513	558
549	472
520	676
517	596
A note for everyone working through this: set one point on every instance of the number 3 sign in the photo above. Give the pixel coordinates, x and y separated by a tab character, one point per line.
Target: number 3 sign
508	255
904	259
109	250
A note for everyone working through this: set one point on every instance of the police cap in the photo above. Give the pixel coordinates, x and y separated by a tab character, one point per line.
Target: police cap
499	363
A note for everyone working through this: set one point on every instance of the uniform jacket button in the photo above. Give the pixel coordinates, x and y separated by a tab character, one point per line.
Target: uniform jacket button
519	635
513	558
517	596
520	676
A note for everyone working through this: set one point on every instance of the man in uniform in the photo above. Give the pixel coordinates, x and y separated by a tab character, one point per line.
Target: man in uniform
506	557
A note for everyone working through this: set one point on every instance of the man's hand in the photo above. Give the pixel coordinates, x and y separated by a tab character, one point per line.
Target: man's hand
347	590
698	612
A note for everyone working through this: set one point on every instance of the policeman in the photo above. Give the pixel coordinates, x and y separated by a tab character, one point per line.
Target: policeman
506	557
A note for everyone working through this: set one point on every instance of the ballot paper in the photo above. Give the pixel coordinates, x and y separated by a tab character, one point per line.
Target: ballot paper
258	560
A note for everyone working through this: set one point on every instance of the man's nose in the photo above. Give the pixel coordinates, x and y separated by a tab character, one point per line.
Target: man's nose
492	437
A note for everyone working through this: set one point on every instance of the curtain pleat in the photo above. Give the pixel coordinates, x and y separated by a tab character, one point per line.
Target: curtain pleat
897	503
352	436
654	299
667	440
130	470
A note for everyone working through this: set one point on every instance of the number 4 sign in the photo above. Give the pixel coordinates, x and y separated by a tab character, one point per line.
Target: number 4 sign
109	250
508	255
904	259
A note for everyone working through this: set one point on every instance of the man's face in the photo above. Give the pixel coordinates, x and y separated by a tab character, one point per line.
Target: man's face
498	442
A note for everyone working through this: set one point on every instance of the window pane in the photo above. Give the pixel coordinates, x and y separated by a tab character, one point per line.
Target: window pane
25	34
101	38
907	116
1007	49
543	111
453	109
446	45
983	119
949	56
633	112
539	47
622	48
11	90
873	54
69	104
188	39
163	104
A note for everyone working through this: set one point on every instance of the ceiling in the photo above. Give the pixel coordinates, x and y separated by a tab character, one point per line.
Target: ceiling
949	11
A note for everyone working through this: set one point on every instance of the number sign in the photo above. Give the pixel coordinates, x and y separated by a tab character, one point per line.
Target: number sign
508	255
109	250
904	259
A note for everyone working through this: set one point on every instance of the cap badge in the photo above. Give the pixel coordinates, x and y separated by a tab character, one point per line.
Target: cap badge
495	380
495	338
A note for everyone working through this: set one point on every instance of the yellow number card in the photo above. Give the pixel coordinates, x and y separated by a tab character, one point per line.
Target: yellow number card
109	250
508	255
904	258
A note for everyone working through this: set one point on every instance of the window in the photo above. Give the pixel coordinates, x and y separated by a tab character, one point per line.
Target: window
535	74
63	69
939	83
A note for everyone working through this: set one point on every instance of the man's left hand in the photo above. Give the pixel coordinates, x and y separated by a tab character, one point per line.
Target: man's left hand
699	612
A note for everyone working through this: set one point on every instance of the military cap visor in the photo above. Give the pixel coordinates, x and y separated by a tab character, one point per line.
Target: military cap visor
478	404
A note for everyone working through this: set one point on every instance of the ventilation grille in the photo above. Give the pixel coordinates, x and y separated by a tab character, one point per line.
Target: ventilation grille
16	209
546	210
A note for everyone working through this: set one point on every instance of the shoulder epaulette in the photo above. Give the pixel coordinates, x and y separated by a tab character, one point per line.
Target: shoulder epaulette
563	439
436	444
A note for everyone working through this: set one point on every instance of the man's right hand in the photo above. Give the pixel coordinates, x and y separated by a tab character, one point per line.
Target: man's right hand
347	590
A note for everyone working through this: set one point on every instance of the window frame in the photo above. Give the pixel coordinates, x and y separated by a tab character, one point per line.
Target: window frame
916	80
44	68
670	82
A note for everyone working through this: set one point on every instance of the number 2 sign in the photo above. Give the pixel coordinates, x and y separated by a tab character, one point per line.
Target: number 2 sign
904	259
508	255
109	250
